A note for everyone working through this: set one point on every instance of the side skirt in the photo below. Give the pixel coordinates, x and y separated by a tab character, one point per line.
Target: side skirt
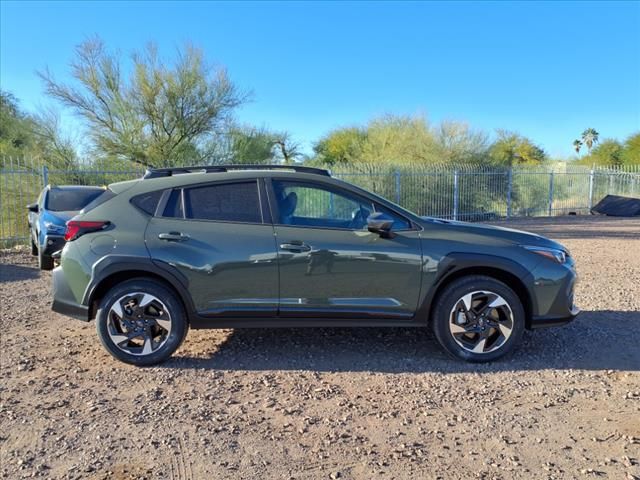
199	322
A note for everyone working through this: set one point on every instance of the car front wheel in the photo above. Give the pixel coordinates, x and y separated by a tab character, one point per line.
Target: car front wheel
141	322
478	319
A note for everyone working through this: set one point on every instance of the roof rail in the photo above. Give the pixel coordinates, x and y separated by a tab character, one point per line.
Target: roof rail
170	171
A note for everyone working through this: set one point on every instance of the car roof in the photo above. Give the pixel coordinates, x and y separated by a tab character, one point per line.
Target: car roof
171	171
185	179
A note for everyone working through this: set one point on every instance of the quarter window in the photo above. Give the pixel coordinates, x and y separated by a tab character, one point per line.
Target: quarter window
147	202
174	205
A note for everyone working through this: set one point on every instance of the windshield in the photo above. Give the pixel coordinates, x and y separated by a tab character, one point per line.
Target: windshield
61	200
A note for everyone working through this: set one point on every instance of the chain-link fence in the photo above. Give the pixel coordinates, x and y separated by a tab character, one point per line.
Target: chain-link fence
463	192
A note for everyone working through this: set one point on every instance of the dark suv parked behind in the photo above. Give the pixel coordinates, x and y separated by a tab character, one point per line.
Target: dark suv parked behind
48	217
249	246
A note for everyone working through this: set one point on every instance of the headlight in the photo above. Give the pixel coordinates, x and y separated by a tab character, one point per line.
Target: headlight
554	254
54	228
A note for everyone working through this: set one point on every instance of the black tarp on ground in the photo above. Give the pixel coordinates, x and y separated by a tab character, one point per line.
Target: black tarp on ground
616	206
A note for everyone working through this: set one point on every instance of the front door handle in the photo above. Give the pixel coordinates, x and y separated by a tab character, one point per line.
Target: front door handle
173	237
295	246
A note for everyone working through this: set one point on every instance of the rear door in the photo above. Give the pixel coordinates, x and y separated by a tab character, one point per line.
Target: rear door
217	236
331	265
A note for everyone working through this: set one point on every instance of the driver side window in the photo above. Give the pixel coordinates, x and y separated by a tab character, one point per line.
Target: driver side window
310	205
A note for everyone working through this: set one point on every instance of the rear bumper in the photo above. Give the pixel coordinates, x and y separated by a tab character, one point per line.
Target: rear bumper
52	243
63	300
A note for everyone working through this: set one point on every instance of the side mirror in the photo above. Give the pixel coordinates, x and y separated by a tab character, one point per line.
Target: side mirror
380	223
33	207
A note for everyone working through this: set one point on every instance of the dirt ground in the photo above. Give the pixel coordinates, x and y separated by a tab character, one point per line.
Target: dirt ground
331	403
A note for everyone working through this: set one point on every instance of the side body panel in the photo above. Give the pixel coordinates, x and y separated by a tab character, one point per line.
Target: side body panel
349	273
231	268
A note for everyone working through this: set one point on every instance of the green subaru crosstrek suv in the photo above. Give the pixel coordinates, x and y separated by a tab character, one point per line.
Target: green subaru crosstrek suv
273	246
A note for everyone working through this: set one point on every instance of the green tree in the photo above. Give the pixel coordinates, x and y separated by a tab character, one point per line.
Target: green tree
401	139
160	114
252	145
631	150
16	127
390	139
34	135
608	152
461	144
59	150
340	146
577	145
287	150
590	138
512	148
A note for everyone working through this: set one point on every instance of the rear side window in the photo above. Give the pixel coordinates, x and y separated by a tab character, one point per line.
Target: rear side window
147	202
231	202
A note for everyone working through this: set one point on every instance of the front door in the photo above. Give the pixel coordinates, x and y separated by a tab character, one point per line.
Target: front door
331	265
215	236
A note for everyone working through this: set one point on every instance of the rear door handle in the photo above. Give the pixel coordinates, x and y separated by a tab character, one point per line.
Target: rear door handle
173	237
295	246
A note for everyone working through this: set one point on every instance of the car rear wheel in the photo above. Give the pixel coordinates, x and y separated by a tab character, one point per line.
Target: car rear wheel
478	319
34	248
141	322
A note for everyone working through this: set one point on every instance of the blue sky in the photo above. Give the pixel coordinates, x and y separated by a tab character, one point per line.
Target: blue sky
545	69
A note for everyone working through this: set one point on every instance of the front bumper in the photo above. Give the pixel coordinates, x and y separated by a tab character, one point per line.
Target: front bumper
52	243
553	292
63	300
554	320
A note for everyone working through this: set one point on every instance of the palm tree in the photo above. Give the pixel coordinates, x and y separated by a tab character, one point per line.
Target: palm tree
589	137
577	144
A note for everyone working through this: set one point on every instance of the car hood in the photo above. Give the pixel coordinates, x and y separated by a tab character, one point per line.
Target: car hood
509	235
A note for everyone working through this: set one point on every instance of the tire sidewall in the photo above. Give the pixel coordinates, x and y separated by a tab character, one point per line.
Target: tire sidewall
179	325
45	262
452	294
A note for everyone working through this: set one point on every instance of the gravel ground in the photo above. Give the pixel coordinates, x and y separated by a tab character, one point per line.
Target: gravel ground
331	403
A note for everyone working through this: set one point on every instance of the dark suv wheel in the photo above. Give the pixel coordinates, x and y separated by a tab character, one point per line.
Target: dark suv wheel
45	262
141	322
478	319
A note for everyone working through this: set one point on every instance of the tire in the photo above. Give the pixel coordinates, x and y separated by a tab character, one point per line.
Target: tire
141	322
34	248
45	262
496	315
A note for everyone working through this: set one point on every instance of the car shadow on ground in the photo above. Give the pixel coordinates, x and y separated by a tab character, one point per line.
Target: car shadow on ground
597	340
16	273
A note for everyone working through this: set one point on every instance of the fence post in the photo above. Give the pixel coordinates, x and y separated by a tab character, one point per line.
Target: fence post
509	190
397	175
455	195
550	193
591	175
45	176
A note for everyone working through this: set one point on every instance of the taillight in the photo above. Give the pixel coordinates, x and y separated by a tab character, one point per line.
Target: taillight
77	228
